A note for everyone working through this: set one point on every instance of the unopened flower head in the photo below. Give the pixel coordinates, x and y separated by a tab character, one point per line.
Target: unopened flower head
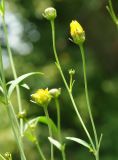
50	13
77	32
71	71
42	97
55	93
22	114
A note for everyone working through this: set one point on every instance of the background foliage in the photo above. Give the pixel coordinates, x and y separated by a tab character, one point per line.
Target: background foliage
30	40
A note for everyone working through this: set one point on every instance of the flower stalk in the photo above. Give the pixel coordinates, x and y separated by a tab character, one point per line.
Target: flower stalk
67	87
112	13
39	149
12	116
50	131
13	70
87	100
59	127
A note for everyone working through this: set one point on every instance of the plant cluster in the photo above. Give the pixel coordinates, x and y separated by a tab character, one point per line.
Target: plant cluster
23	127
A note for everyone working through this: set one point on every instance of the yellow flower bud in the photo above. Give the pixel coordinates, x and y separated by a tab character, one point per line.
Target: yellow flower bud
77	32
42	97
50	13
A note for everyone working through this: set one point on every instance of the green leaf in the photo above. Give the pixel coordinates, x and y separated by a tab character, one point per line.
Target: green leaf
80	141
15	82
55	143
100	140
25	86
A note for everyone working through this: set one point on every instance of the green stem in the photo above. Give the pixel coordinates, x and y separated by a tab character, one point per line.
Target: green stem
67	87
39	150
59	127
50	131
11	116
16	132
87	96
14	72
63	154
58	118
71	82
112	13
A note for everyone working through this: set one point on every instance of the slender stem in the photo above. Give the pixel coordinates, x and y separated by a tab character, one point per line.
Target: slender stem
71	82
87	96
112	13
63	154
67	87
59	127
16	133
39	150
8	107
14	118
58	118
14	72
50	131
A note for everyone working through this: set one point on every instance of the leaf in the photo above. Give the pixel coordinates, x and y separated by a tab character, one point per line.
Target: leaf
80	141
55	143
15	82
100	140
25	86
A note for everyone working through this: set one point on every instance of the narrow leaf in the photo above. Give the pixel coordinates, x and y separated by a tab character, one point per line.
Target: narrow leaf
25	86
15	82
55	143
80	141
100	140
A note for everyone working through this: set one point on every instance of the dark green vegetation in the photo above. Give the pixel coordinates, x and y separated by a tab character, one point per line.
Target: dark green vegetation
35	54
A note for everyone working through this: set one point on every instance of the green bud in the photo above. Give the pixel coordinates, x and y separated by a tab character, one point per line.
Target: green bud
22	114
55	92
71	71
8	155
50	13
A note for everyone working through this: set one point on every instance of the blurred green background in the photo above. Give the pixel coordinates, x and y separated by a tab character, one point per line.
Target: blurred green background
30	40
